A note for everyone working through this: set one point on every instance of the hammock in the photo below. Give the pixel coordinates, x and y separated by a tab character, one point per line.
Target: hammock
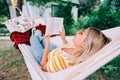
77	72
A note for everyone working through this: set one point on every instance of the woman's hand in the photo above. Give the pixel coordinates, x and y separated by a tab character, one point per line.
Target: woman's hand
62	33
47	39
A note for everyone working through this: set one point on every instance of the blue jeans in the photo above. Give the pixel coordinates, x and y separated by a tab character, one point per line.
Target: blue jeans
38	45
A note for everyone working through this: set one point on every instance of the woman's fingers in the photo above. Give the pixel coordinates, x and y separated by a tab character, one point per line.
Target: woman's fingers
63	29
47	36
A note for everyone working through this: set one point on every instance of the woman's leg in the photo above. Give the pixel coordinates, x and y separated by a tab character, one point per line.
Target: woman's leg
52	46
37	48
41	39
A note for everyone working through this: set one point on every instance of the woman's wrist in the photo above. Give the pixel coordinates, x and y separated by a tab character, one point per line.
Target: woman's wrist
64	40
62	37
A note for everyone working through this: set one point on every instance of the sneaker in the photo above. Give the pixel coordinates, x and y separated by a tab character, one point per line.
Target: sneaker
33	31
38	33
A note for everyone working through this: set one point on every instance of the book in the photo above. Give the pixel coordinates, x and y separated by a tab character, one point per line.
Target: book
54	25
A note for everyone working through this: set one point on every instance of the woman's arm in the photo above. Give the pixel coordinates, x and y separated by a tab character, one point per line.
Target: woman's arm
45	54
62	34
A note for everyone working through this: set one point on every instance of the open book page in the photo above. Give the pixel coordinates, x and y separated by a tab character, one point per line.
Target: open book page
54	25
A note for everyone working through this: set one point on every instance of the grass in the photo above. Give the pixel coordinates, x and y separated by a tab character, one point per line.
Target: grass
7	52
16	63
13	62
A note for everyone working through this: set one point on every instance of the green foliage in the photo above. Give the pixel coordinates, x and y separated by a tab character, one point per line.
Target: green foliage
93	77
64	10
106	69
7	52
1	25
4	10
103	17
3	30
16	63
86	6
41	2
82	21
112	69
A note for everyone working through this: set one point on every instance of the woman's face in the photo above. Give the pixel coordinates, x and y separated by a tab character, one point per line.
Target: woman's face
79	38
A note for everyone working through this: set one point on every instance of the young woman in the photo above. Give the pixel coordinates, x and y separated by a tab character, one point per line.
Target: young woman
52	58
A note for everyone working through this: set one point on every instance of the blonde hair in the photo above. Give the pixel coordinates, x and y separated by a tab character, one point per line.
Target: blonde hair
95	40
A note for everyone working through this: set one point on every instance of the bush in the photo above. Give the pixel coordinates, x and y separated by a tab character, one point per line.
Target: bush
4	32
1	25
103	17
4	12
4	9
86	6
112	69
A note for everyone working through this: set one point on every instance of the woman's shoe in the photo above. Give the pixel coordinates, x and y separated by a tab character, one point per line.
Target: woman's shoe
38	33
